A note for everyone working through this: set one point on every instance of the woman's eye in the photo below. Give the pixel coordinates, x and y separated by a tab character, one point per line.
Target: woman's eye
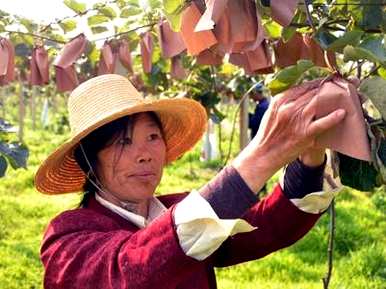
154	136
125	141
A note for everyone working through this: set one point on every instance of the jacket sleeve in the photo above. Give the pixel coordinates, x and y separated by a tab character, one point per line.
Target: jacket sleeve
209	223
78	252
279	224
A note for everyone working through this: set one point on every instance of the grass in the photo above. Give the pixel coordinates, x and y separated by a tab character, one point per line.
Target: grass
359	257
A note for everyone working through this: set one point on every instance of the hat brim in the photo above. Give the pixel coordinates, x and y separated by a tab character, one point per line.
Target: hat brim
184	122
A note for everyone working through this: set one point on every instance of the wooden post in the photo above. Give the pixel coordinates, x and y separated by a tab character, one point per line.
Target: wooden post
3	100
21	111
207	146
244	123
210	143
33	105
53	96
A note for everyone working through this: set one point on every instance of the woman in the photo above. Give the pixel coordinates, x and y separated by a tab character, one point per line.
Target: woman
124	237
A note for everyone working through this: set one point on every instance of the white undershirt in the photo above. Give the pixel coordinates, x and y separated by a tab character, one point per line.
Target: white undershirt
156	209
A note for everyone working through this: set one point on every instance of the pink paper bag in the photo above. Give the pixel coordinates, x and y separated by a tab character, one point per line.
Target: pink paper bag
195	41
66	78
7	61
212	14
39	66
177	70
282	11
146	51
107	60
208	57
350	136
124	55
247	31
171	42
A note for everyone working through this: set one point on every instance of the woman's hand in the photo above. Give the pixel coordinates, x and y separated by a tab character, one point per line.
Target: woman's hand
288	130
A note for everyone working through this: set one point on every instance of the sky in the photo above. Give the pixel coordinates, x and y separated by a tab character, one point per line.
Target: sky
46	11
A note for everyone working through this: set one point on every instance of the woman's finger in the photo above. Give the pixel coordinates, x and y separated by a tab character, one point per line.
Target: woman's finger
302	89
305	97
311	106
324	123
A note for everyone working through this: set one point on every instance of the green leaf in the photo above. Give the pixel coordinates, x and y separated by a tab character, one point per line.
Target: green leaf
172	10
28	24
349	38
123	3
127	12
289	76
357	174
372	14
217	116
98	29
93	53
97	19
3	13
68	25
172	6
329	41
384	23
382	72
108	12
382	151
371	49
55	37
133	2
287	33
3	166
324	38
374	88
381	159
274	29
15	153
155	4
75	6
175	21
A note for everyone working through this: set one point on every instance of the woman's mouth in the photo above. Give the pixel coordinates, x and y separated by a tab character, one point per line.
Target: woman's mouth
145	175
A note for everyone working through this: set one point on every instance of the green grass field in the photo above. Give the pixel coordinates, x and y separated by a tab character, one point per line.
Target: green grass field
359	257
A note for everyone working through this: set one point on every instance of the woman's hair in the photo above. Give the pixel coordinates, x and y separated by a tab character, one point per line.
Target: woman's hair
97	140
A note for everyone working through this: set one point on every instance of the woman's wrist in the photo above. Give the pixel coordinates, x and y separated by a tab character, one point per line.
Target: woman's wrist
313	157
254	167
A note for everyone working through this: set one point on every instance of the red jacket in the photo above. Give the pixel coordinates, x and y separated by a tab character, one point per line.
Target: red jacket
95	248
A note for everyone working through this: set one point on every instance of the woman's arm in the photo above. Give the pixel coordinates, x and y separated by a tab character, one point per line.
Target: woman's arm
288	130
279	224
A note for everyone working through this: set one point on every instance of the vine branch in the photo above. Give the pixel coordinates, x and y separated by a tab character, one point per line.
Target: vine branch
63	42
34	35
330	249
309	16
373	69
234	123
126	32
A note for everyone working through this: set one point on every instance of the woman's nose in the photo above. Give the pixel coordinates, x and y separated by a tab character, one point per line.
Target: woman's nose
143	155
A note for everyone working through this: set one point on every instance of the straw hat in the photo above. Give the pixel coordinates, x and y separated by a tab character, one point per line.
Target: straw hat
103	99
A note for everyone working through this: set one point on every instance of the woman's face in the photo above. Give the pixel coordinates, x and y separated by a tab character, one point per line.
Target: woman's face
131	167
